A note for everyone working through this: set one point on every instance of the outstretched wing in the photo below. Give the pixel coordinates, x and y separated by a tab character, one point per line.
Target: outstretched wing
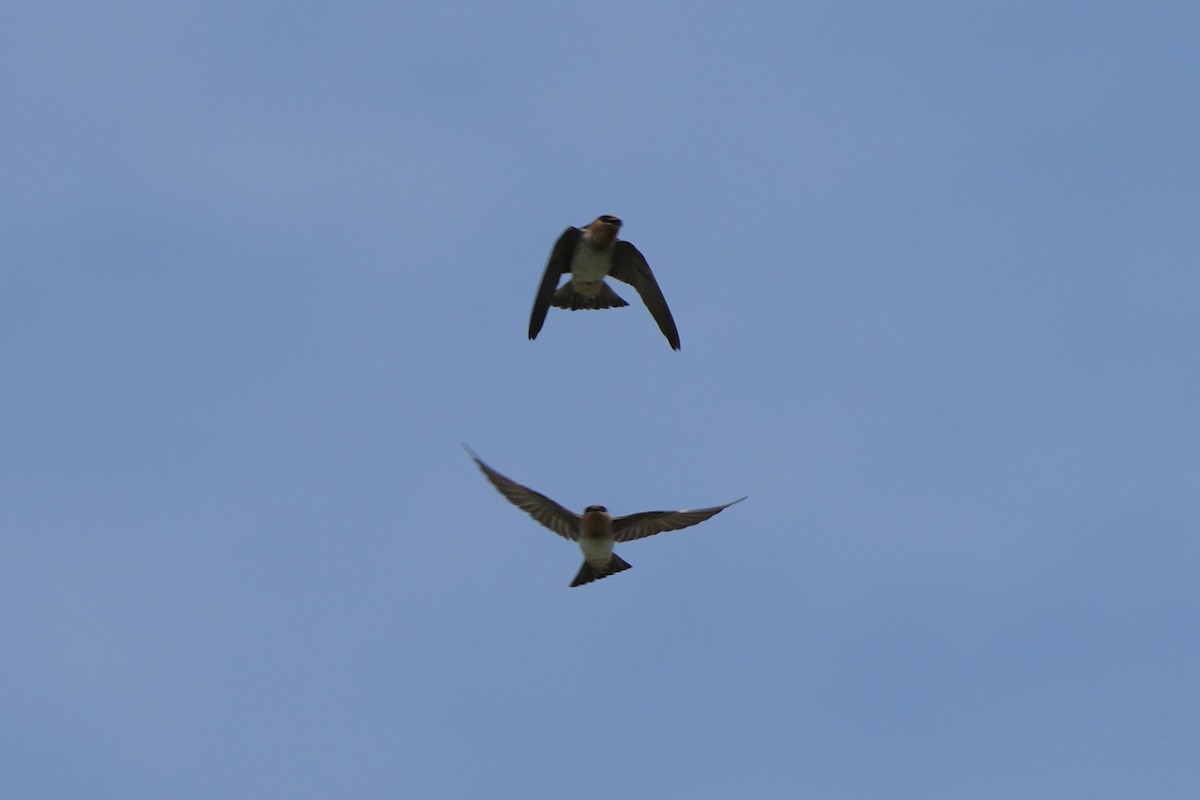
648	523
630	266
560	262
536	505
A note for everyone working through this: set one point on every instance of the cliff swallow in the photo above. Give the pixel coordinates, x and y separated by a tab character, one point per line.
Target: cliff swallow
590	254
596	530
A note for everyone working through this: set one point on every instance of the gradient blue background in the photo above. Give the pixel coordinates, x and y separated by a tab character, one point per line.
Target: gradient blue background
266	265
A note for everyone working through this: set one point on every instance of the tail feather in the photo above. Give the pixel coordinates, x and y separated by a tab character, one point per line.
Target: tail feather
566	297
588	573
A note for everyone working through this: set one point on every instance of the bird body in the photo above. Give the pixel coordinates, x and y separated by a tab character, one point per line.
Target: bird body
590	254
595	531
589	264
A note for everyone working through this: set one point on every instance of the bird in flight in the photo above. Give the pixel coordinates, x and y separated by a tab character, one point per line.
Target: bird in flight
596	530
591	254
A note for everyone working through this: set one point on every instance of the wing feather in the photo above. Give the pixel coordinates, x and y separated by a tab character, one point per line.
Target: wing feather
560	262
535	504
630	266
648	523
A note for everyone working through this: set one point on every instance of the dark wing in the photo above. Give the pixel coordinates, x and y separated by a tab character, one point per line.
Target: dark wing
536	505
560	262
648	523
630	266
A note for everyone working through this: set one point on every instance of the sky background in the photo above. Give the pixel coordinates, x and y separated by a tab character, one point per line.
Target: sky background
265	266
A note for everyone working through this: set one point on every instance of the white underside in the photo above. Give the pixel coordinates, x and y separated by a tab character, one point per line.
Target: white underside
596	551
590	266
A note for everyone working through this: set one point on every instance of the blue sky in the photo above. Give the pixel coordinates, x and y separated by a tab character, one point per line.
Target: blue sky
263	268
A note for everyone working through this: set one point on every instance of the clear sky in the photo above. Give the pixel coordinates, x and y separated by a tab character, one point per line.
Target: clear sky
265	266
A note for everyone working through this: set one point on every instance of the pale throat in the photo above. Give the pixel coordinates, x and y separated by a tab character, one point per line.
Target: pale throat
595	523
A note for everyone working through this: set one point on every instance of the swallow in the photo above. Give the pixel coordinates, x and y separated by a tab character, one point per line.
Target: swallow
596	530
591	254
